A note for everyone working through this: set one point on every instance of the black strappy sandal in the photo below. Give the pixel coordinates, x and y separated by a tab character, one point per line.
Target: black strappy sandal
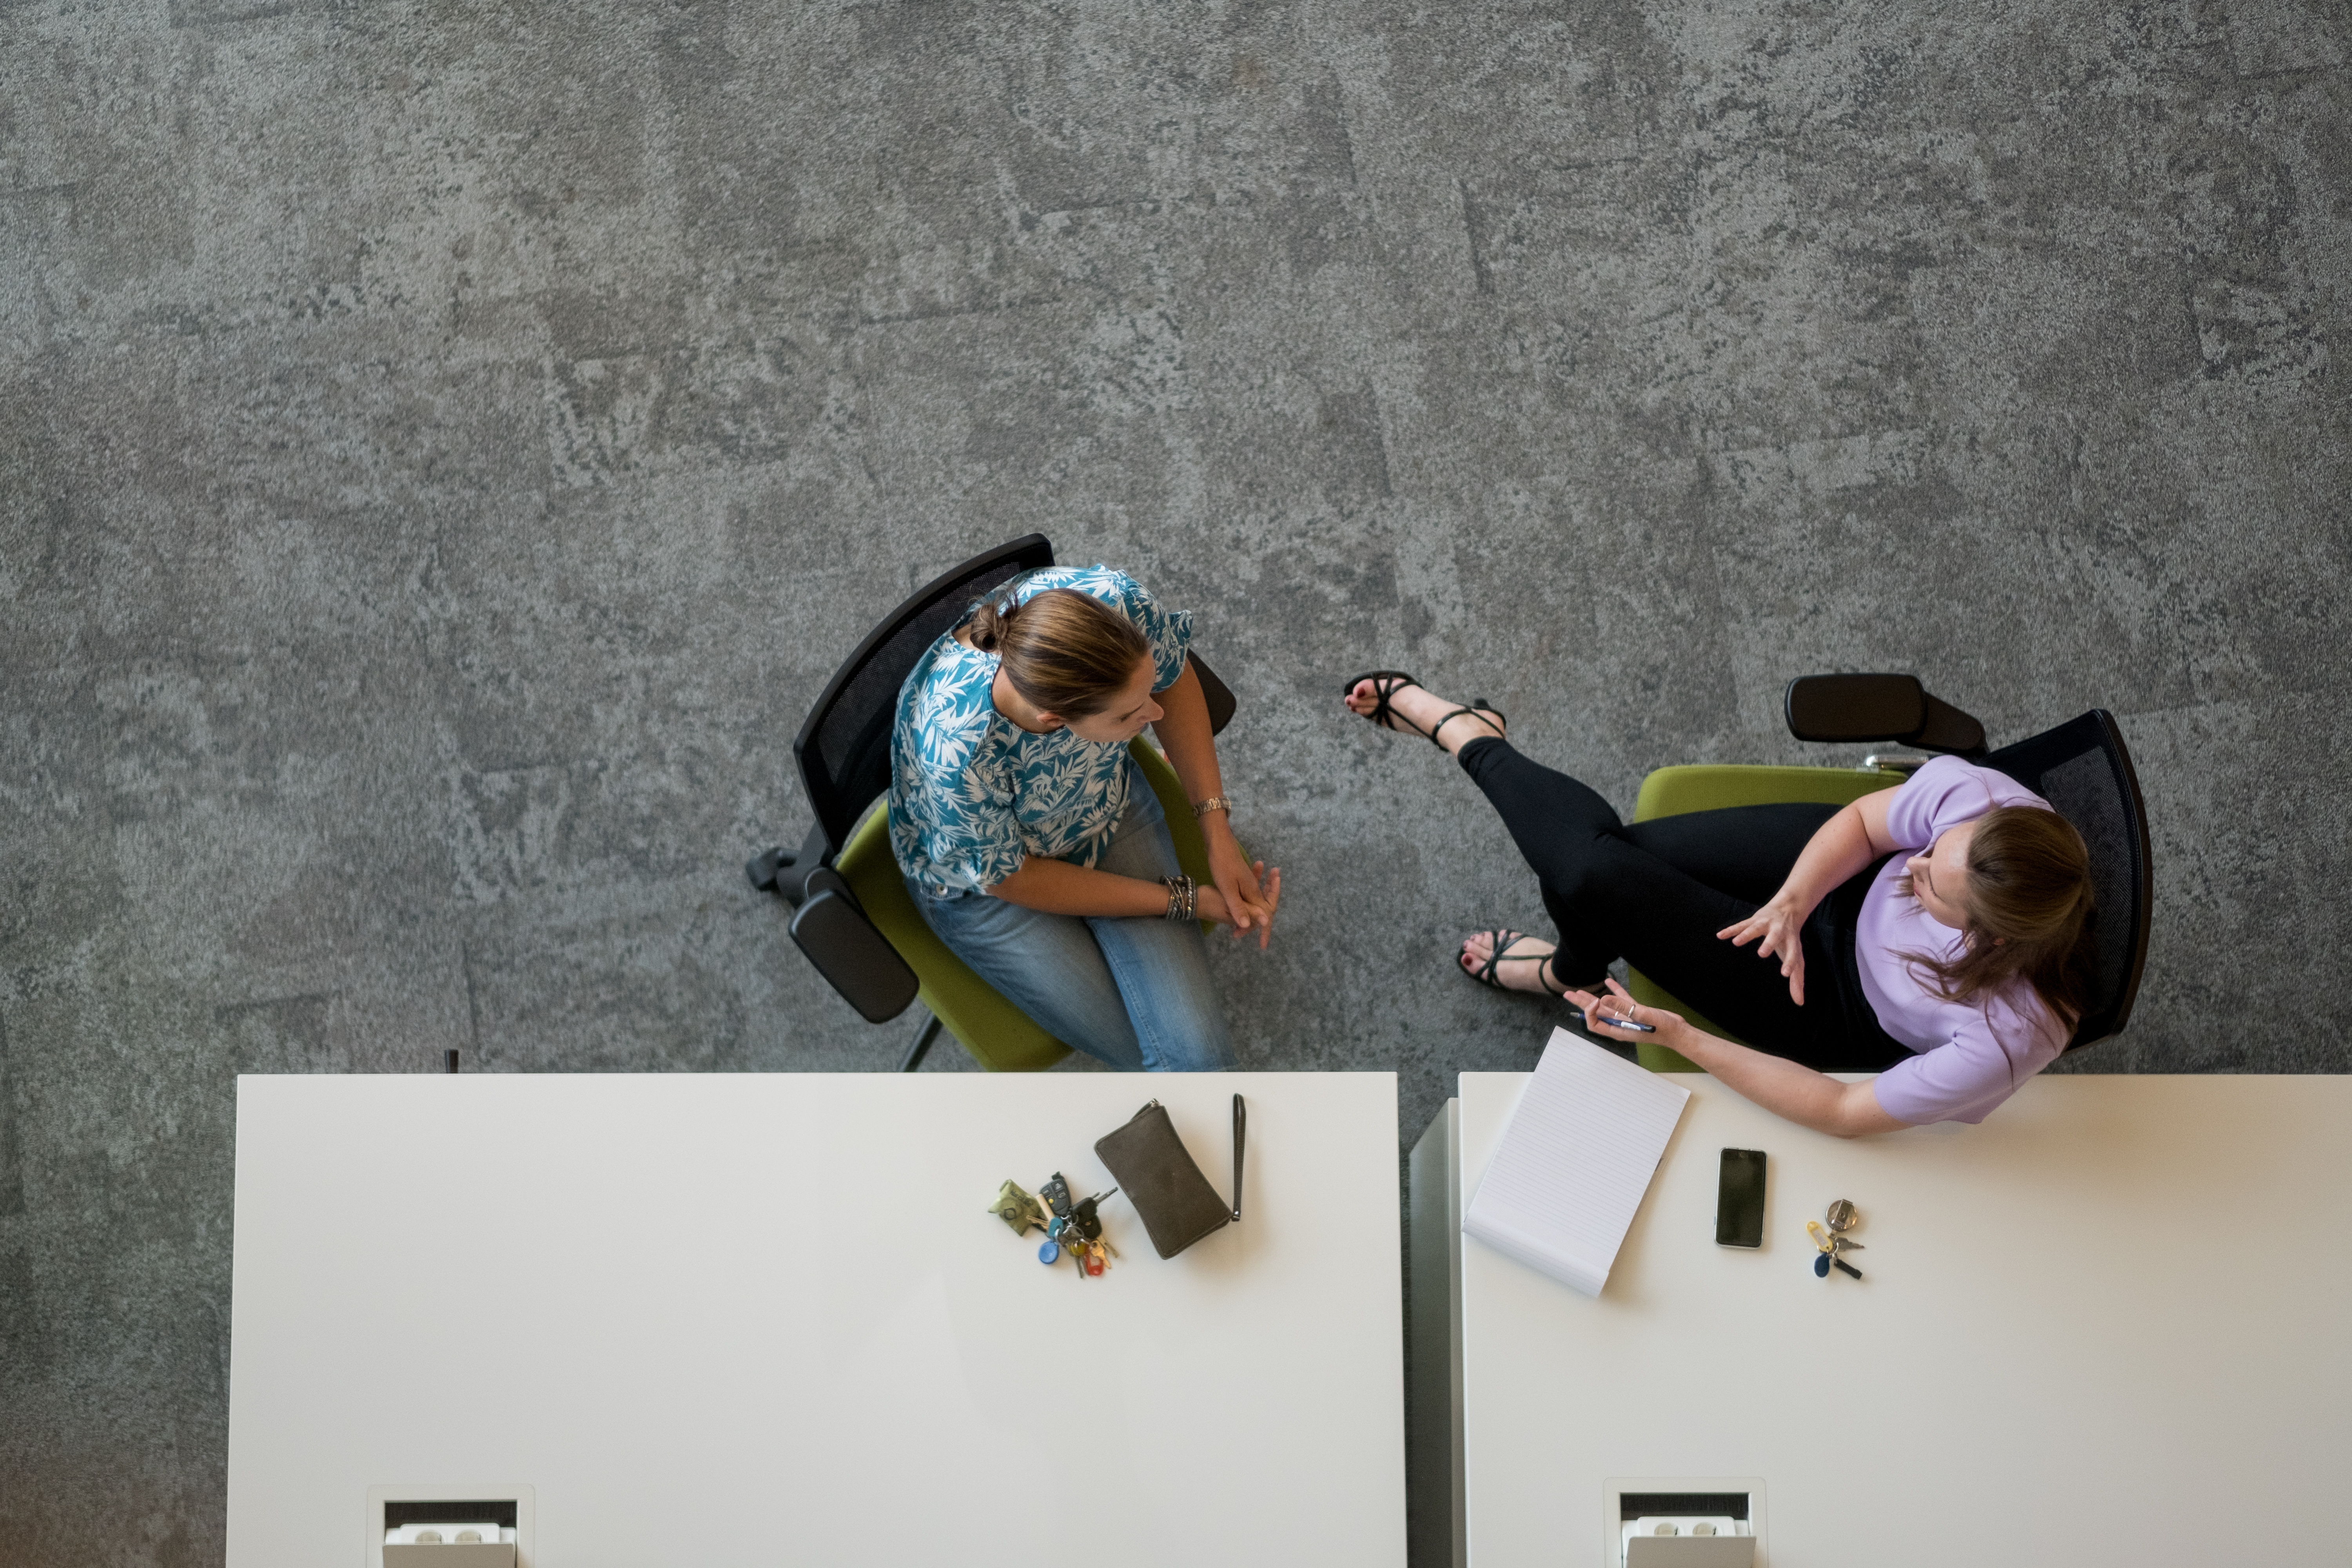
1387	683
1504	940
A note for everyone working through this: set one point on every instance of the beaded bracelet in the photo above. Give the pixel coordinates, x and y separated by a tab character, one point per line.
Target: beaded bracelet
1183	898
1215	803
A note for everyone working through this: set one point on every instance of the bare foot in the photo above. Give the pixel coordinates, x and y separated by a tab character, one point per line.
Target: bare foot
1520	969
1417	707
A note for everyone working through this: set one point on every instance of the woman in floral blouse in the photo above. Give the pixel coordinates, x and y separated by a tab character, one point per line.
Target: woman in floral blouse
1034	846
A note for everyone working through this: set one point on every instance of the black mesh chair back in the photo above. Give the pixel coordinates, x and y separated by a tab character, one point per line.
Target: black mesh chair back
2082	769
843	747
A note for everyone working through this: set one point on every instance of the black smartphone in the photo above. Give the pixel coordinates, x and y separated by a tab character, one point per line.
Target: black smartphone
1739	1199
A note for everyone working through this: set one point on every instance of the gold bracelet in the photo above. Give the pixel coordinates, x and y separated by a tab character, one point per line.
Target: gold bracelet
1215	803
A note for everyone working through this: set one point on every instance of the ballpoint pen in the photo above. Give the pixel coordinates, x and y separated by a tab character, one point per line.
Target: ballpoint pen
1578	1013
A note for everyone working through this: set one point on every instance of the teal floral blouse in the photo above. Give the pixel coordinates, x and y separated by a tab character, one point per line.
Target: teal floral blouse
972	794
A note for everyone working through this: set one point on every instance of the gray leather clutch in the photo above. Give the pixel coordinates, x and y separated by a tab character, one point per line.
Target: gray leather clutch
1159	1176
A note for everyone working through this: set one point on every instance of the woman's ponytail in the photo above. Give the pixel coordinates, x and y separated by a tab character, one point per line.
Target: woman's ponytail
989	625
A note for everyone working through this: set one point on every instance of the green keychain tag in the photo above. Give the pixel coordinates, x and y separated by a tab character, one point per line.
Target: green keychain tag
1017	1209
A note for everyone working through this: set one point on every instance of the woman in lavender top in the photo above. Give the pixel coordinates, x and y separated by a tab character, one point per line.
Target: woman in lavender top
1935	934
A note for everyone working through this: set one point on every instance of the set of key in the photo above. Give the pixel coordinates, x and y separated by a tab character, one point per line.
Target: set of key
1071	1226
1833	1243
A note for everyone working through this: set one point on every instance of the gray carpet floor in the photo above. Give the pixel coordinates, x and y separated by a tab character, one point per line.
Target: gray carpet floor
444	448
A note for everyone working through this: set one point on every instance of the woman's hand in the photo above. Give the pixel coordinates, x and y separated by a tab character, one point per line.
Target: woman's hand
1603	1014
1246	890
1778	929
1783	1087
1838	848
1209	904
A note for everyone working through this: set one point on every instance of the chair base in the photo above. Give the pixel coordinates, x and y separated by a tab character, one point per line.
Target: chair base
921	1048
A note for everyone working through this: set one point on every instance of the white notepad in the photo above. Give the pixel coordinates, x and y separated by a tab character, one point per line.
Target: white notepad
1575	1159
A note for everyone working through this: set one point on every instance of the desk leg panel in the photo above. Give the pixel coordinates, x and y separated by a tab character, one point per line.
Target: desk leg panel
1437	1537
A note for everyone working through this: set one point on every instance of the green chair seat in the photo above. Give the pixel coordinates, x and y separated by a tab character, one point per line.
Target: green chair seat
999	1036
1671	792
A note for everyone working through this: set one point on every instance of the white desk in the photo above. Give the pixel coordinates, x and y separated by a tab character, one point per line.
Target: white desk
644	1298
2108	1326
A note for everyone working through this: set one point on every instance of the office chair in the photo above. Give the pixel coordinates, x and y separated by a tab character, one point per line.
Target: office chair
851	915
2080	768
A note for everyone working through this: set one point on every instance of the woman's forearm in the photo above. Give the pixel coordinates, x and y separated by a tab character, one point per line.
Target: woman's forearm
1838	848
1184	735
1785	1088
1058	888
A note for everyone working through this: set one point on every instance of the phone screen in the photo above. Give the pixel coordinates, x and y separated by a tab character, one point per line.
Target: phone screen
1739	1199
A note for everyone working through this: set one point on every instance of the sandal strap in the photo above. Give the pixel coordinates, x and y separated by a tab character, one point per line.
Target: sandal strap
1500	942
1478	710
1496	940
1387	683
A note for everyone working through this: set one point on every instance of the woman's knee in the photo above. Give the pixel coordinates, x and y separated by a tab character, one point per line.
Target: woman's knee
1576	873
1162	970
1192	1038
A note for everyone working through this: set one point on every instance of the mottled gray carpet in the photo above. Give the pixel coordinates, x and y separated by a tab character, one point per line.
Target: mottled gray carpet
444	447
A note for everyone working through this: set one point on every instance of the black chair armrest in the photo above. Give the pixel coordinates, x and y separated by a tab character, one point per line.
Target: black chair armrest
856	960
1219	697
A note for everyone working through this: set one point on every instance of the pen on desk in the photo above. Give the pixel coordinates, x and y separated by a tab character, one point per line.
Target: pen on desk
1578	1013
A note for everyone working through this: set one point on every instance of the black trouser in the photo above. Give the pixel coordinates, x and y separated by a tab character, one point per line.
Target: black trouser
1655	893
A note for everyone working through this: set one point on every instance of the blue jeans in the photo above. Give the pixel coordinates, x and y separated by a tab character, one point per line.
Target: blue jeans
1131	993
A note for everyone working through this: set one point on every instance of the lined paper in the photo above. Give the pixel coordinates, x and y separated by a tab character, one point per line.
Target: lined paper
1575	1159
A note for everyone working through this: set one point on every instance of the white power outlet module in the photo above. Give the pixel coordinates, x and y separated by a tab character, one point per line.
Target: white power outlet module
451	1526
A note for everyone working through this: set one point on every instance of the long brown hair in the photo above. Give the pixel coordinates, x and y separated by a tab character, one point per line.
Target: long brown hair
2029	908
1069	654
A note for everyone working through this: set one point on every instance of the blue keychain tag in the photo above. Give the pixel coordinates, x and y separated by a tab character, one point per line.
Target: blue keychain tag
1822	1266
1051	1251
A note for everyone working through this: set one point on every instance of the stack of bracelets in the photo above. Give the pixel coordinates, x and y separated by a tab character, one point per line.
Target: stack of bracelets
1183	897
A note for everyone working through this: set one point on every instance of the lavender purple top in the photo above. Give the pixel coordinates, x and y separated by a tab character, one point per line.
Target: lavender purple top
1972	1055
